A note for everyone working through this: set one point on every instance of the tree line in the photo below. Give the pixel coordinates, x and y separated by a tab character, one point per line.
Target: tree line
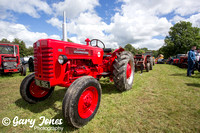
133	50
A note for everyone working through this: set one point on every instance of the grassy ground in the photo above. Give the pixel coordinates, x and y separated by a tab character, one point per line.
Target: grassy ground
163	100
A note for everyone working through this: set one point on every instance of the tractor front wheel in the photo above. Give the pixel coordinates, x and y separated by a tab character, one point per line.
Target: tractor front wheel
32	93
123	73
81	101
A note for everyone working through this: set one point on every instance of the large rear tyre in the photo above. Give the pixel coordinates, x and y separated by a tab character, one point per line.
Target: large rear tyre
123	73
151	63
141	68
81	101
148	67
32	93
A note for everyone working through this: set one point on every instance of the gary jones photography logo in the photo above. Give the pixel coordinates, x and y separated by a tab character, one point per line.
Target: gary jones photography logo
44	123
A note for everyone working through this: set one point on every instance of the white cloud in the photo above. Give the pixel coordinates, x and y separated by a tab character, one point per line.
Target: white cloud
158	7
152	44
188	7
177	18
194	19
55	22
30	7
74	7
82	21
137	22
87	25
11	30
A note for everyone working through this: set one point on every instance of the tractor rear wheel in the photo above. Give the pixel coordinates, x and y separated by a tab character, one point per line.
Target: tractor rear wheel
148	67
151	63
23	70
32	93
142	67
81	101
123	73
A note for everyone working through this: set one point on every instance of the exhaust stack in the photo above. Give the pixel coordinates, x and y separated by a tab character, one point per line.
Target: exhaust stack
64	27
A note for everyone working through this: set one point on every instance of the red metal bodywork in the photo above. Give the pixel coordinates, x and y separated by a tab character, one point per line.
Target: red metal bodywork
81	60
9	58
183	62
175	61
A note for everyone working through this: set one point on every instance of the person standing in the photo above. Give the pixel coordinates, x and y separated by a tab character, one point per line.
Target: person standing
191	60
198	59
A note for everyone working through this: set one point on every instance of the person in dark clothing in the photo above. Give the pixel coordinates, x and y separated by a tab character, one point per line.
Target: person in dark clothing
191	60
31	64
198	60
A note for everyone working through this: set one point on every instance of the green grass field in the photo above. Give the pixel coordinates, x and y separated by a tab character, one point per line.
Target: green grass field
163	100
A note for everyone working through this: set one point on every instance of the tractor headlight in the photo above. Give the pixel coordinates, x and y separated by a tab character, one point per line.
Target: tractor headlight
5	64
62	59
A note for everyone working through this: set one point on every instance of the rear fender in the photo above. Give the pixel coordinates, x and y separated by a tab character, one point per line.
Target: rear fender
117	51
112	59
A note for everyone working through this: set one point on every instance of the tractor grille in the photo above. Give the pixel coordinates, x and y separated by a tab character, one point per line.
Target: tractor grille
10	65
43	62
9	58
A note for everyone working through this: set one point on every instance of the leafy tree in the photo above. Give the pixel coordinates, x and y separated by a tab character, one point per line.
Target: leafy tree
155	53
130	48
69	40
22	47
140	51
29	51
4	40
144	49
182	36
134	51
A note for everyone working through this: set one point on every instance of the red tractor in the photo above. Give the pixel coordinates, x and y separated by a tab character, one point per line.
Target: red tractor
78	67
176	60
143	62
183	61
10	59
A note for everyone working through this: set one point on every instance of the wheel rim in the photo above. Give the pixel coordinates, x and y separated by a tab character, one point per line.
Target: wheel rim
129	72
37	91
88	102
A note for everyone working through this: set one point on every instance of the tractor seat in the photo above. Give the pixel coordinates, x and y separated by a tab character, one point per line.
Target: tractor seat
107	50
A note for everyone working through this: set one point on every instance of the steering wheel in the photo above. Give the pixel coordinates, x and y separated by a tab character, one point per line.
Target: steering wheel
97	40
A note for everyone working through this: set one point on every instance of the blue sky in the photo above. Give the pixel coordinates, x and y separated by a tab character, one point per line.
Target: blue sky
116	22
